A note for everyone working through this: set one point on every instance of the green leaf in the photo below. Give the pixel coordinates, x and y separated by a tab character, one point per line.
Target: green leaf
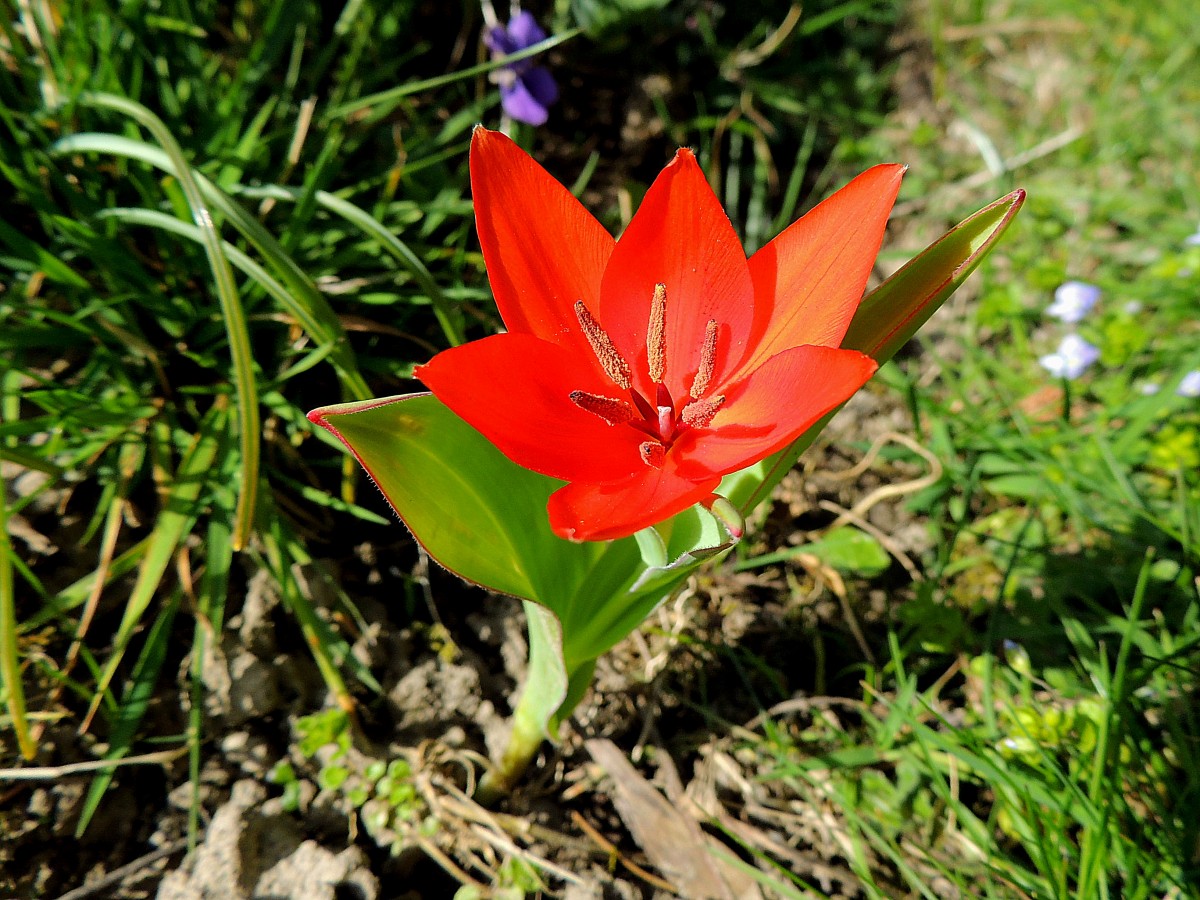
232	312
135	702
477	513
33	257
845	549
483	517
892	313
852	551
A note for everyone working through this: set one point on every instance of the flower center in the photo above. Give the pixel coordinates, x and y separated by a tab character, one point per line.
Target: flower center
664	419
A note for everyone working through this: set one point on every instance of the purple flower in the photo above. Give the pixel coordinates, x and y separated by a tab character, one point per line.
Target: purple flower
1072	359
526	90
1073	300
1190	385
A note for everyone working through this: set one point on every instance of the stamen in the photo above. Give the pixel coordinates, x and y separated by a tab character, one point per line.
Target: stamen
614	412
656	334
606	352
708	361
699	413
653	454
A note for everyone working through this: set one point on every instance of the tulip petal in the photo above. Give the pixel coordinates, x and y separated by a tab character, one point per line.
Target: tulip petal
543	250
513	389
680	237
601	512
771	407
809	280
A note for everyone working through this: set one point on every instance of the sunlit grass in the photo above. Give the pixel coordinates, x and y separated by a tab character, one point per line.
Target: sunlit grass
1037	691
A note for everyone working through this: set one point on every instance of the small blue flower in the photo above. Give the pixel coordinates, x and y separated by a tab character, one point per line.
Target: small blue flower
1073	357
1073	300
1192	240
526	90
1190	385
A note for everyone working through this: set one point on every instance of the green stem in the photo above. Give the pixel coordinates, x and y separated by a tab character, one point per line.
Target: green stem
548	696
528	732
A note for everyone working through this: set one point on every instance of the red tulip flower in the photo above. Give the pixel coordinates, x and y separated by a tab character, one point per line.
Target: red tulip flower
642	370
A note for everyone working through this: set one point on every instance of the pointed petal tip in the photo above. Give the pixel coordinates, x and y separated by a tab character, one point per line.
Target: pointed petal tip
684	156
482	137
896	171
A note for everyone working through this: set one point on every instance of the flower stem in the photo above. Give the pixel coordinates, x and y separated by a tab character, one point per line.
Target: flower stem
534	719
528	732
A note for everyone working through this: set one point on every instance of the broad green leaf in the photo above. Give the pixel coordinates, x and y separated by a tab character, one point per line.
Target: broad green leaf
483	517
477	513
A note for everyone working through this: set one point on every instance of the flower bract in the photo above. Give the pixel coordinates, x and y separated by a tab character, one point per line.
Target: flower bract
642	370
526	90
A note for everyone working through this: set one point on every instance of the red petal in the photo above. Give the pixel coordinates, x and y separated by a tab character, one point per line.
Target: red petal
682	238
543	250
809	280
602	512
515	390
771	407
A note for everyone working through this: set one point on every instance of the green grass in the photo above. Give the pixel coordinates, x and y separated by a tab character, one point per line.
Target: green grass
222	216
164	315
1034	725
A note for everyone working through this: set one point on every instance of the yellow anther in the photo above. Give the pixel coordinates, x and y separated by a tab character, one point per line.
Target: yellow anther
656	334
606	352
708	361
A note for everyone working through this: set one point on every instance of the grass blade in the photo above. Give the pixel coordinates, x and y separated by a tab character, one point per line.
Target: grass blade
173	523
135	702
249	425
304	301
10	666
